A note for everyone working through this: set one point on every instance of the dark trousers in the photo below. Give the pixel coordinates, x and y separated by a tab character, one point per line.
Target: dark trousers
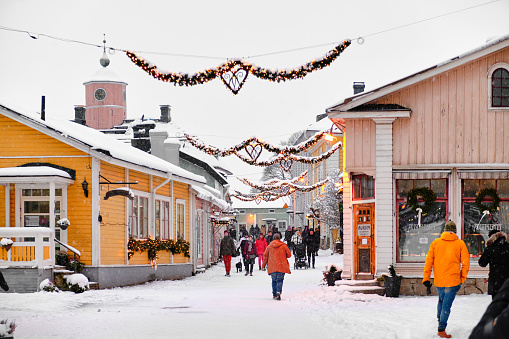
311	256
248	264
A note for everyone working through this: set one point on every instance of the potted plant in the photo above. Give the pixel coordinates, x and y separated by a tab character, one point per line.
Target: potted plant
6	243
63	223
392	283
7	328
330	274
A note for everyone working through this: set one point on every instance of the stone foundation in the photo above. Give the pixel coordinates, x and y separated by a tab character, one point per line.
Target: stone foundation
414	286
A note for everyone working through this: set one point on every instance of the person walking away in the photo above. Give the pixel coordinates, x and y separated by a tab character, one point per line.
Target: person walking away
275	258
317	240
310	242
496	255
240	246
449	259
305	232
269	237
288	236
296	240
249	253
226	250
494	323
261	245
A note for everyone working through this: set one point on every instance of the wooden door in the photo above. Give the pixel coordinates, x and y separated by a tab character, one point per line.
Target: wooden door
364	241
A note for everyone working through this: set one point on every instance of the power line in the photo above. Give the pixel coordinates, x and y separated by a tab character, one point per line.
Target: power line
360	39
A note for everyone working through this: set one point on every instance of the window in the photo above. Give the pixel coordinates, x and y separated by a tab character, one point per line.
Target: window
242	212
414	239
36	206
498	83
138	217
281	224
363	187
272	211
181	209
476	226
162	217
200	219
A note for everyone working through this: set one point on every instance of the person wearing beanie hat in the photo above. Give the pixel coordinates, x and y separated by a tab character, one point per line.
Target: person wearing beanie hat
449	259
496	255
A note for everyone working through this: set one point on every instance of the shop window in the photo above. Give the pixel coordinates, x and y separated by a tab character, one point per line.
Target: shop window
138	217
477	225
414	238
363	187
181	208
162	218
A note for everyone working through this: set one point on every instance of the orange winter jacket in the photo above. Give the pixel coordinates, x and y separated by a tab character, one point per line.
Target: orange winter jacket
448	257
275	257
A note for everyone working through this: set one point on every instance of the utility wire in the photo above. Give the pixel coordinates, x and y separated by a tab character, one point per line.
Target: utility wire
360	39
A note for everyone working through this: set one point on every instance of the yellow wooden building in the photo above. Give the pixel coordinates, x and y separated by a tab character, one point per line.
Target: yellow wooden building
109	192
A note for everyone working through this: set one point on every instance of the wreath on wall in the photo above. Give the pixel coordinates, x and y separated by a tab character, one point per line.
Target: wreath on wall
491	192
428	195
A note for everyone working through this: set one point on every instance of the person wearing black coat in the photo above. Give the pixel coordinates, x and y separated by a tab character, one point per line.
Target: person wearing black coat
494	323
496	255
311	247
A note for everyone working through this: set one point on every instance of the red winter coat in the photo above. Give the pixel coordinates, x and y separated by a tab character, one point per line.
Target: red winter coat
261	245
275	257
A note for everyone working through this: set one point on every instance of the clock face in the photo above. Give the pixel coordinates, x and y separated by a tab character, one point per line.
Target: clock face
100	94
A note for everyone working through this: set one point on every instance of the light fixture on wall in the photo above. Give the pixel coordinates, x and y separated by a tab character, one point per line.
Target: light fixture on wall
84	185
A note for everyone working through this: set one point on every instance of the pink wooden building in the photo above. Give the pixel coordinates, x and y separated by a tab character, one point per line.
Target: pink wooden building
446	129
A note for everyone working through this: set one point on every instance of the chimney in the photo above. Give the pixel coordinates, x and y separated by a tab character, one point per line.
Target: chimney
165	113
80	116
43	108
358	87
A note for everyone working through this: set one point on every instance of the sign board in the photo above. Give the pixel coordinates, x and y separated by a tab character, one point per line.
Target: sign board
363	230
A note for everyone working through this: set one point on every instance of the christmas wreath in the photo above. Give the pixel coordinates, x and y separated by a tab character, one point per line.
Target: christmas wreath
428	195
480	197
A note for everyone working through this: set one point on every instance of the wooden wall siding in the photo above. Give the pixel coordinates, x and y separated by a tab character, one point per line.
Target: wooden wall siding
113	226
78	207
361	145
143	181
165	190
450	121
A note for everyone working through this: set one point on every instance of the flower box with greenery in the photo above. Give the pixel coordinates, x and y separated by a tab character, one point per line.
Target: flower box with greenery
63	223
392	283
331	273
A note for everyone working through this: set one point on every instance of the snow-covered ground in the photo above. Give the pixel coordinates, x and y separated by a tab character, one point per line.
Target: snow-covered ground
211	305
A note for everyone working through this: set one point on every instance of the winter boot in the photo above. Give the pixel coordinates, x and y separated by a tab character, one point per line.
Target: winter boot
251	273
278	297
442	334
247	272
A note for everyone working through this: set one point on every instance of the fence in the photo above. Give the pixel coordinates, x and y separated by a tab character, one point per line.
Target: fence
32	247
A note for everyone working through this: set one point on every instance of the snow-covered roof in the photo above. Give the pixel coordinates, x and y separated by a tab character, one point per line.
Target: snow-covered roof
98	144
364	97
206	195
104	74
43	171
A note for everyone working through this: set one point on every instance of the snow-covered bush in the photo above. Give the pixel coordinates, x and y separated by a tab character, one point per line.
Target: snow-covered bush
77	283
48	286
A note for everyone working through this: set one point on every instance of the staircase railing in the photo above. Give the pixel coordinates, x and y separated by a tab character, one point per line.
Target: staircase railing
32	246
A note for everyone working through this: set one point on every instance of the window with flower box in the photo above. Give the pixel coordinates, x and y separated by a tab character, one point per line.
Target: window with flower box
138	217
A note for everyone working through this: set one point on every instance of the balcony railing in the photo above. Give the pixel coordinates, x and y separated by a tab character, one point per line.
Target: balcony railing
32	247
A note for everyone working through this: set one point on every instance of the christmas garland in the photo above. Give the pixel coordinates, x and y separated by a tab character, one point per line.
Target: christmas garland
234	72
278	192
493	207
152	246
275	184
428	195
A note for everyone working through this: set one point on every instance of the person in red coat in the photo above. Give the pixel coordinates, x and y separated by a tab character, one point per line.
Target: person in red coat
275	258
261	245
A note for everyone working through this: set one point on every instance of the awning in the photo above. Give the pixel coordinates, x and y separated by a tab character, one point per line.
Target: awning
269	219
421	174
483	174
36	174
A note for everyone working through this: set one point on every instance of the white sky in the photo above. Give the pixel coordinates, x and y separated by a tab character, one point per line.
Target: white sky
30	68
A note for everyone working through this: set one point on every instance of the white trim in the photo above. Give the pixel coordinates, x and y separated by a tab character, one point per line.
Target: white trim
8	205
370	114
492	69
183	203
96	225
106	106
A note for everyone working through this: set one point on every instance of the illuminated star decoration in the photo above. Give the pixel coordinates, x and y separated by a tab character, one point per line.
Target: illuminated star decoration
285	156
234	73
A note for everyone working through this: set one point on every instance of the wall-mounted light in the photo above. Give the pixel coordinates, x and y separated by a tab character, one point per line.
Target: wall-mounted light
84	185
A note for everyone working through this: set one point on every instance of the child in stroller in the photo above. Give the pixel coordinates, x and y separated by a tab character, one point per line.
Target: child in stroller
300	256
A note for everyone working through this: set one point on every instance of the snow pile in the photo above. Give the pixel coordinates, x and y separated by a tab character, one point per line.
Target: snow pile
6	241
77	282
48	286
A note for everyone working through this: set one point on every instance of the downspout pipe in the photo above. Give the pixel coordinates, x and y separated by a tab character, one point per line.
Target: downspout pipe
153	201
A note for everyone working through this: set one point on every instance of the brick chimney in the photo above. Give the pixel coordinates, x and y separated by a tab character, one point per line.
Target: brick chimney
358	87
165	113
80	115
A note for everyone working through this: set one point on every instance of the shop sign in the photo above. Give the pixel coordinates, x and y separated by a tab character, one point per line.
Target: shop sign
363	230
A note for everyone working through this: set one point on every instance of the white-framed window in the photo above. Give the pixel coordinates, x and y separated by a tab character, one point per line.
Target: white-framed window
163	218
201	217
242	212
180	219
498	86
281	224
138	216
35	206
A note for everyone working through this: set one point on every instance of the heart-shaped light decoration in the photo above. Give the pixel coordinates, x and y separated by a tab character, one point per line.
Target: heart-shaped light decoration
235	78
286	164
258	200
254	151
284	190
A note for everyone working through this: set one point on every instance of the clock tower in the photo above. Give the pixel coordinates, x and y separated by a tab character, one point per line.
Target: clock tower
105	97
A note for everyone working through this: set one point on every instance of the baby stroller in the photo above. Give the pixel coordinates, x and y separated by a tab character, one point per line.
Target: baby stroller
300	256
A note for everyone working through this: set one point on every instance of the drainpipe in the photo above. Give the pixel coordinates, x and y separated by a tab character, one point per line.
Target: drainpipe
152	209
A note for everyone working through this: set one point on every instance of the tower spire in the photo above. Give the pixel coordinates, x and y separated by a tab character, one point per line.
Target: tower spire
104	59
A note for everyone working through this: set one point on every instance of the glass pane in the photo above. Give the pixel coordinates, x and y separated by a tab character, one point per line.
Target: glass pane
487	183
503	188
26	192
439	187
470	188
496	82
36	207
422	183
356	188
505	102
36	192
404	186
58	192
364	187
45	192
57	206
414	240
497	102
478	226
371	187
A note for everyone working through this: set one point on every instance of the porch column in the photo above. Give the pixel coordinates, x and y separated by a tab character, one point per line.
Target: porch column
96	225
383	195
8	205
52	205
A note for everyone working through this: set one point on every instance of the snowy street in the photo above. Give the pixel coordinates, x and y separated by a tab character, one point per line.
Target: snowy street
211	305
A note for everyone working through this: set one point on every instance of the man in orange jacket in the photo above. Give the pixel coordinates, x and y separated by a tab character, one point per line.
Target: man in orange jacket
448	257
275	258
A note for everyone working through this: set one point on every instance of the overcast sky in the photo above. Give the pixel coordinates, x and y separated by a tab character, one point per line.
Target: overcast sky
214	31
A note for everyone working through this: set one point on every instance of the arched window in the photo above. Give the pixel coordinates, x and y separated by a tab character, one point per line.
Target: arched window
500	88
